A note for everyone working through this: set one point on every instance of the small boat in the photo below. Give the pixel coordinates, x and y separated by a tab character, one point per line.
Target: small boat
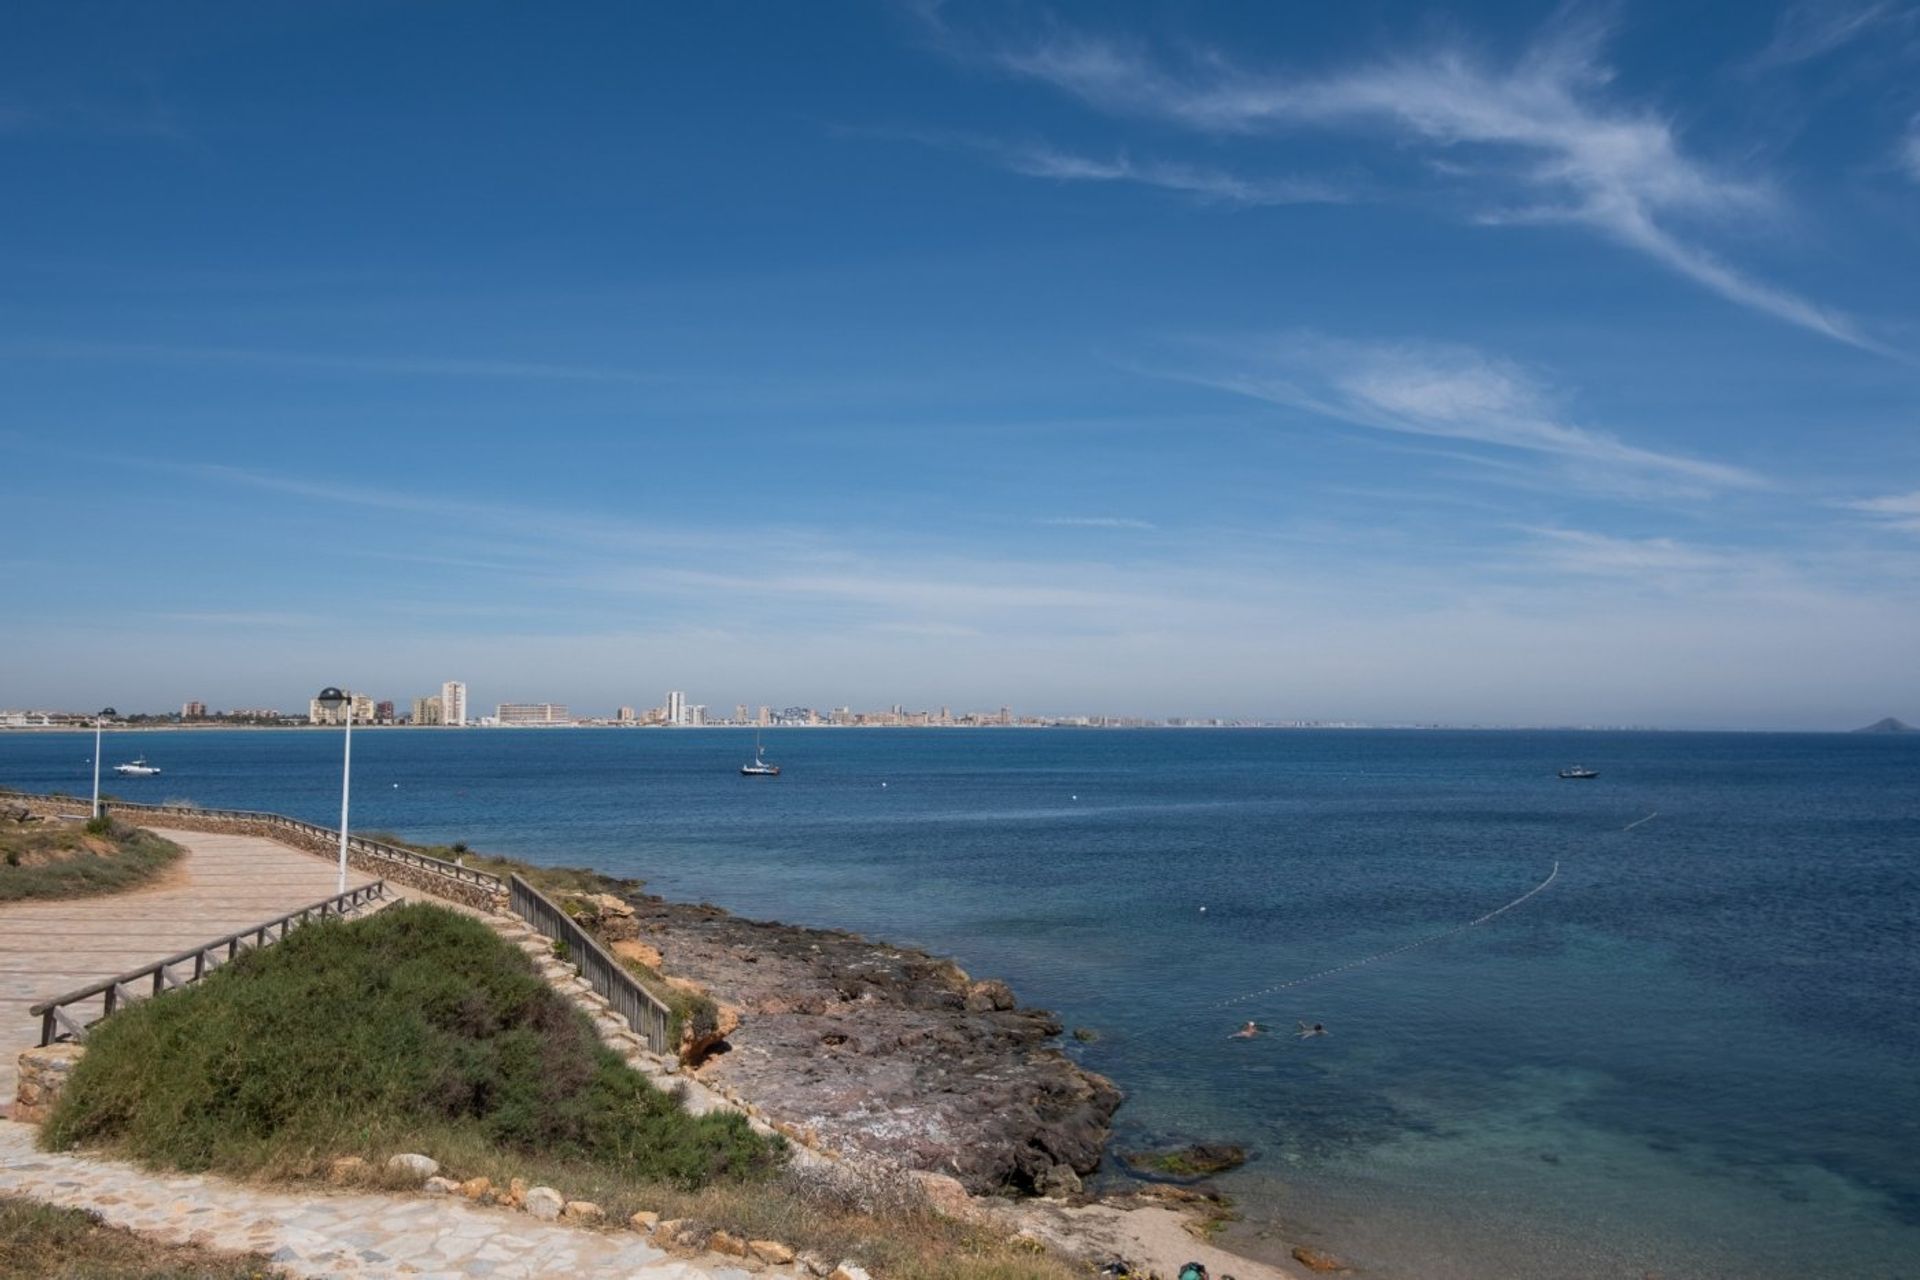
137	768
1579	771
759	768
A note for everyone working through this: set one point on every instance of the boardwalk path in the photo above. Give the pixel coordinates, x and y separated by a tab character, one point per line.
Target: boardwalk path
312	1233
223	883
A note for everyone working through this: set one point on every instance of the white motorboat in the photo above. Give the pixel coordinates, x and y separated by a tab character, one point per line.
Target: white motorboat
137	768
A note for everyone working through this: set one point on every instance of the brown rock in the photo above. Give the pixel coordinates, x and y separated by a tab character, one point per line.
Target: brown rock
946	1195
1315	1260
628	949
1058	1182
644	1221
848	1271
517	1191
989	996
582	1211
697	1041
731	1245
475	1188
771	1251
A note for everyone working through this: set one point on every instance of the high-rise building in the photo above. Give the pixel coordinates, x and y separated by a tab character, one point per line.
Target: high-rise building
383	711
676	707
453	703
193	711
426	710
696	715
625	715
740	713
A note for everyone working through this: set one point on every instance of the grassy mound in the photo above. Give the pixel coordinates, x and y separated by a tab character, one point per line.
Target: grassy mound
71	859
417	1029
43	1242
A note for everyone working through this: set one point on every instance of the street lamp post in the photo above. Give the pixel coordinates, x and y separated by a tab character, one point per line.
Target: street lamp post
333	700
97	722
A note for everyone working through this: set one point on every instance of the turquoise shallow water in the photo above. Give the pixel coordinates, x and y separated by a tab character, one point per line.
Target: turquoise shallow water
1697	1052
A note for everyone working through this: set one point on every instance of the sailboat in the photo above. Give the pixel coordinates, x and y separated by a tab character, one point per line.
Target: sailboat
759	768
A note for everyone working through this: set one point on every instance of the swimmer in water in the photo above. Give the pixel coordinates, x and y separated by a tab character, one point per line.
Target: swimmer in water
1308	1031
1247	1032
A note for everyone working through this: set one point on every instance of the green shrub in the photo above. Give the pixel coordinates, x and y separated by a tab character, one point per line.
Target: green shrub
414	1029
65	861
100	826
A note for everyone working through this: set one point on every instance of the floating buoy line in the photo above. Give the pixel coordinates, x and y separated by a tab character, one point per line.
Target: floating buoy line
1649	818
1402	949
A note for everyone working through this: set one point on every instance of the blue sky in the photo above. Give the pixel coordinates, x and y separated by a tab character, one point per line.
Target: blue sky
1493	363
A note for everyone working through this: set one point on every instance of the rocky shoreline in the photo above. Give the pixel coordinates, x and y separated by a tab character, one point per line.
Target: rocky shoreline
880	1052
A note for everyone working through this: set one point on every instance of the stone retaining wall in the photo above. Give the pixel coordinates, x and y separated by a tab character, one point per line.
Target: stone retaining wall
43	1077
400	873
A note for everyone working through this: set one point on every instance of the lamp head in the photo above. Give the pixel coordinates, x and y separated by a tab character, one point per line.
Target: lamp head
332	699
108	713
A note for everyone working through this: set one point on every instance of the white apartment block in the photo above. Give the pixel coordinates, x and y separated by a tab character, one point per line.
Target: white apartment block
453	704
532	713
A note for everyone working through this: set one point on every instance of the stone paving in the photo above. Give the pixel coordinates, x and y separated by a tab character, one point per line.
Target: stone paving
222	883
323	1234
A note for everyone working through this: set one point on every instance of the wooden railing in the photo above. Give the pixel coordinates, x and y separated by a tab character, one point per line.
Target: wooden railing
358	844
649	1017
56	1024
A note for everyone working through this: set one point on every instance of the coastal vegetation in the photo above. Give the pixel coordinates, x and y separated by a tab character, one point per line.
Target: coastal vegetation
415	1029
546	879
45	1242
48	859
695	1019
420	1030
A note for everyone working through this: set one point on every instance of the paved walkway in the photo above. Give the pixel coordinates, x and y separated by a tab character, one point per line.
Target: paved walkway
325	1234
223	883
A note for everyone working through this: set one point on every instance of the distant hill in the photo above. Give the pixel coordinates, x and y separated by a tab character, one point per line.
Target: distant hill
1889	725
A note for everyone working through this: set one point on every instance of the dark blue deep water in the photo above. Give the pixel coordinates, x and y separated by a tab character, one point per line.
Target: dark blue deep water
1697	1052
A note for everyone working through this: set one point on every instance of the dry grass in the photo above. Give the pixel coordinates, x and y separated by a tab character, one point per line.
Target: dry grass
546	879
875	1217
42	1242
54	859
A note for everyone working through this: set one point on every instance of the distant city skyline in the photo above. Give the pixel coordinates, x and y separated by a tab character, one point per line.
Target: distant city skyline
1464	363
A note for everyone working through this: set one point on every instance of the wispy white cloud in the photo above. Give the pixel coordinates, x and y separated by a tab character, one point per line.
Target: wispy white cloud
1208	184
1203	183
1428	389
1606	555
1896	511
1908	154
1813	29
1542	130
1098	522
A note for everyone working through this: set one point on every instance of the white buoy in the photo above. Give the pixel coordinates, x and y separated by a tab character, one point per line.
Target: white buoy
883	784
1073	797
1203	911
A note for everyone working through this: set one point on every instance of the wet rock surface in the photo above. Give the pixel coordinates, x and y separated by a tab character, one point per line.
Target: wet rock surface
886	1051
1190	1163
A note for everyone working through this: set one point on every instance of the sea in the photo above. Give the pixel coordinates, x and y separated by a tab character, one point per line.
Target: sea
1695	1052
